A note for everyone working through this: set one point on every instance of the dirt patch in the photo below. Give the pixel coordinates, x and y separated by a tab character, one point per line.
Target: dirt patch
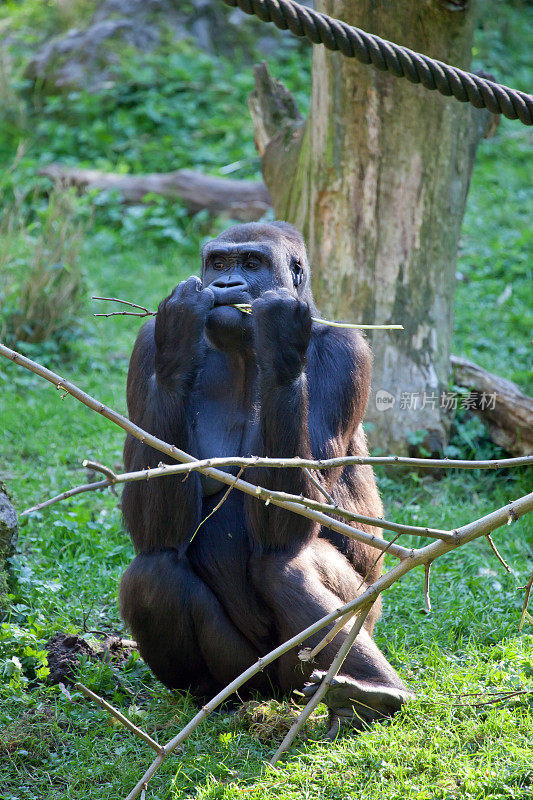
65	650
64	655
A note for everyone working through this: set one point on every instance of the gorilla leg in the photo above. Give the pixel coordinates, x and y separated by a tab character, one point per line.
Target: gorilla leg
183	632
300	589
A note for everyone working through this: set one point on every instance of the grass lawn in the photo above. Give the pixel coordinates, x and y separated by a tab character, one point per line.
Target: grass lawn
454	741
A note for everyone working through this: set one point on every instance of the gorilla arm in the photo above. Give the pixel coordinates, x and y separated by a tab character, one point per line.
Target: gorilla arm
313	389
164	363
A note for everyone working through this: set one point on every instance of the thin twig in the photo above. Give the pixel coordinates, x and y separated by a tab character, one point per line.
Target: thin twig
375	562
121	718
499	697
97	467
224	496
493	701
524	614
319	486
147	313
336	664
497	554
245	308
86	487
125	314
308	655
427	598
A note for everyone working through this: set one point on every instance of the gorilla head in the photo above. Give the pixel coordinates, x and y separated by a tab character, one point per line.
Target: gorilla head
243	263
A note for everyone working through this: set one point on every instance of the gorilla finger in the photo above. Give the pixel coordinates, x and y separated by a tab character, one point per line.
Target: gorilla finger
309	690
209	296
192	285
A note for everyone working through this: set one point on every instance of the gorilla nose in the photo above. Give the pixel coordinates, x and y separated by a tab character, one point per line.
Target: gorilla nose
229	283
229	289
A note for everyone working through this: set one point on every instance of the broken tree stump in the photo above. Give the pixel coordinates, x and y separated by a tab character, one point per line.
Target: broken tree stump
509	417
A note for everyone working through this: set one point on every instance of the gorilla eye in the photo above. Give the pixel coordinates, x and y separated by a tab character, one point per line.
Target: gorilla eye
251	264
219	265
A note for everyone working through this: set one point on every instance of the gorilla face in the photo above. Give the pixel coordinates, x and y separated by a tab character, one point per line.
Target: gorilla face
243	263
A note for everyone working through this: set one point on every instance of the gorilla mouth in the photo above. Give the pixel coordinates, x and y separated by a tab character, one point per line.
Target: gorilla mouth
230	297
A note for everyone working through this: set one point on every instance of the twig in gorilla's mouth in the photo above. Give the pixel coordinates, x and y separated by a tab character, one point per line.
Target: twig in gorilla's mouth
245	308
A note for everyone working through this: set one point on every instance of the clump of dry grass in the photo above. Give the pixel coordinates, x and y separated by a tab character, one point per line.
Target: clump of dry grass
14	110
270	720
42	285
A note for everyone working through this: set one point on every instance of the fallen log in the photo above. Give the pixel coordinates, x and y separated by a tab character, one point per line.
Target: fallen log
507	410
242	200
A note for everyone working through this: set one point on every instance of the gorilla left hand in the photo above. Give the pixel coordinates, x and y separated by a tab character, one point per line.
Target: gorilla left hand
356	704
282	331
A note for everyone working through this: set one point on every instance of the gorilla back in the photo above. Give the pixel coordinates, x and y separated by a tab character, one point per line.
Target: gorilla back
217	382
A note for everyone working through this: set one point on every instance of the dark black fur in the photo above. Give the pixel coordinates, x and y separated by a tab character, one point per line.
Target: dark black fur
216	382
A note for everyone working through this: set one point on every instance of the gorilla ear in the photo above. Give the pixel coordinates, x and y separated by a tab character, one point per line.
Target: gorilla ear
297	272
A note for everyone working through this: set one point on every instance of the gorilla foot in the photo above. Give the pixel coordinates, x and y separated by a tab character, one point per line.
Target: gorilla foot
356	704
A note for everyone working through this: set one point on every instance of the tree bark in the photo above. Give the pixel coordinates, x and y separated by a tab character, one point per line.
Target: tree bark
377	182
507	410
245	201
8	538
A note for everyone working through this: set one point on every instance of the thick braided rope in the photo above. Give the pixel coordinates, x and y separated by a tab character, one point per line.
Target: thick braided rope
402	62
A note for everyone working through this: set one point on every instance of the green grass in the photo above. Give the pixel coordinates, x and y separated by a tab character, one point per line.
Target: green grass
72	555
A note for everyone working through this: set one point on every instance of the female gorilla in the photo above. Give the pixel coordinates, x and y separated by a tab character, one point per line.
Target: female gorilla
217	382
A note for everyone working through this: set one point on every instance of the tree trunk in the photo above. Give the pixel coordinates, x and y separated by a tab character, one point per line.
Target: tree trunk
8	539
377	182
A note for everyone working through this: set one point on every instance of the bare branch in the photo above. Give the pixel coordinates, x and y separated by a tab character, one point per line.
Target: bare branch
409	559
146	313
269	495
143	312
308	655
97	467
121	718
276	498
246	308
336	664
125	314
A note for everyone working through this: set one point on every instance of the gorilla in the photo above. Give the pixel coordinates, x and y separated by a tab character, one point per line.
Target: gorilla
217	382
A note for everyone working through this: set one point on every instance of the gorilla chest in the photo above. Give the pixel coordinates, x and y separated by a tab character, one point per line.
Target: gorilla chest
224	424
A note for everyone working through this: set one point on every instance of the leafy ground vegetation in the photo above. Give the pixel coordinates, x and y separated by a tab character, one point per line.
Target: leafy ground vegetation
179	107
